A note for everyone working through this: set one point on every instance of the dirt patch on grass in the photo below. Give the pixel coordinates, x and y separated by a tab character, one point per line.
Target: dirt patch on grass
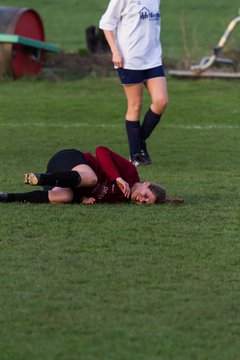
78	65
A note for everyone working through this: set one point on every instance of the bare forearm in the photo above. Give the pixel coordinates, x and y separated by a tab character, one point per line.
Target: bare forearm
111	39
116	54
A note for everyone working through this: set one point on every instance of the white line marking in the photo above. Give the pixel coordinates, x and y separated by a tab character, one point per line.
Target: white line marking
65	126
204	127
76	125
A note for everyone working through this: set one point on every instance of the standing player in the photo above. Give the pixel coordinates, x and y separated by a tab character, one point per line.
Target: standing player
132	29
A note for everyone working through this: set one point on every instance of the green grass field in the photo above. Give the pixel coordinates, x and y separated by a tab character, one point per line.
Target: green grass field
122	282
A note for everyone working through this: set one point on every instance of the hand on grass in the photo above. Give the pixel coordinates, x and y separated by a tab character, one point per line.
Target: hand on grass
87	201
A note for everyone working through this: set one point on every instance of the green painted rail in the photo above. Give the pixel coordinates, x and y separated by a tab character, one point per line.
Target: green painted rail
16	39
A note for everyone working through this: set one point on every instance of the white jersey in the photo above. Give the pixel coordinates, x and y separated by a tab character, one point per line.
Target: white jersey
137	24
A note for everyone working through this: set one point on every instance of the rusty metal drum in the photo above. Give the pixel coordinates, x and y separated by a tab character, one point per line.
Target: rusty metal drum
15	58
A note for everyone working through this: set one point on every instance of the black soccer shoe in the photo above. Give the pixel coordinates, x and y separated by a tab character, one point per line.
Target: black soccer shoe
139	160
3	197
145	153
32	179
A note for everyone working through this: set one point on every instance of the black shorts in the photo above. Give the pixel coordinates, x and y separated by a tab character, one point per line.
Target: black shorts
130	77
65	160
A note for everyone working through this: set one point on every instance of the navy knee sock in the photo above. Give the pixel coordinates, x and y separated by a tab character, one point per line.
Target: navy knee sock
37	197
149	123
62	179
133	130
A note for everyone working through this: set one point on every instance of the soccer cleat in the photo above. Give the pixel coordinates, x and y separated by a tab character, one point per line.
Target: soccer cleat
145	153
138	160
32	179
3	197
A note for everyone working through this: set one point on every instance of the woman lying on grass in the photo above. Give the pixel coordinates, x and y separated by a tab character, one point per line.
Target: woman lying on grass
76	177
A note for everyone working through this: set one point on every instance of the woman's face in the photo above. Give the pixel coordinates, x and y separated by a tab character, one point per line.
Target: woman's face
141	194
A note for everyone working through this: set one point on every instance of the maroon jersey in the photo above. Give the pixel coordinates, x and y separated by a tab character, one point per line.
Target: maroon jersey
108	166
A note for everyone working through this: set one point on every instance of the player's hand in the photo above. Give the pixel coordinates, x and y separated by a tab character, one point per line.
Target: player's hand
87	201
123	186
117	60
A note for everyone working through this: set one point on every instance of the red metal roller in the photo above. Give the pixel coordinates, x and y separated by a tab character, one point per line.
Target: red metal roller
17	58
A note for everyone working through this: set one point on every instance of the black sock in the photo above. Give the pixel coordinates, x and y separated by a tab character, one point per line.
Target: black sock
62	179
37	197
3	197
134	136
149	123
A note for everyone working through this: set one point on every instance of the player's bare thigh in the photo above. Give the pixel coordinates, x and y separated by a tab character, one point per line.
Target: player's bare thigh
134	94
88	176
157	88
60	195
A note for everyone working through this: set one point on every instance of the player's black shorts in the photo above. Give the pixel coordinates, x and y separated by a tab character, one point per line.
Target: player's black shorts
130	77
65	160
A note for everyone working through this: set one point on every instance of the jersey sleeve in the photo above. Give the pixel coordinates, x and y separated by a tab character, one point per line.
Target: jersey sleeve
115	166
112	15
